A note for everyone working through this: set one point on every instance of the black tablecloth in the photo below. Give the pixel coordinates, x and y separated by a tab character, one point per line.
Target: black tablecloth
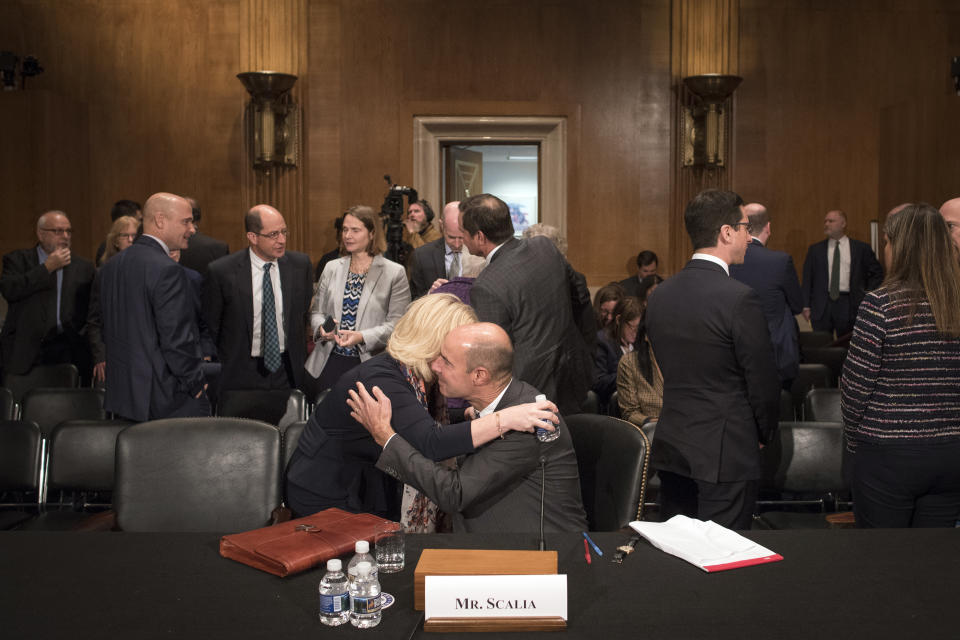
844	584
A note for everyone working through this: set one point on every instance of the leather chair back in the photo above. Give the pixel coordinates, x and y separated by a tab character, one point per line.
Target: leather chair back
48	407
279	407
19	455
805	458
197	474
8	406
822	405
291	436
82	454
612	459
832	357
45	375
810	376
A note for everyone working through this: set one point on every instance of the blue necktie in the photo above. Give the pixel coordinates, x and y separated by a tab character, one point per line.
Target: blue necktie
268	324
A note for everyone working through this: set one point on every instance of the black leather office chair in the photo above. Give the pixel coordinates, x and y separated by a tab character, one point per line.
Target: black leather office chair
19	471
49	406
79	472
8	406
802	468
591	404
832	357
810	376
278	407
822	405
291	436
613	407
815	339
612	457
46	375
197	474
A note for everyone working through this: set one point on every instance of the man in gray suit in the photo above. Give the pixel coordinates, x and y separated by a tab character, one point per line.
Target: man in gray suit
525	289
496	488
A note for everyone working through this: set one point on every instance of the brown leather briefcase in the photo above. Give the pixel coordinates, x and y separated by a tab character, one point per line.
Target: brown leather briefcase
297	545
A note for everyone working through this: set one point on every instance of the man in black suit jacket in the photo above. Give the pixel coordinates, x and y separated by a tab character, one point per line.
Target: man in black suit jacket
235	297
497	488
773	277
150	323
203	249
444	258
831	300
48	292
721	391
524	289
647	265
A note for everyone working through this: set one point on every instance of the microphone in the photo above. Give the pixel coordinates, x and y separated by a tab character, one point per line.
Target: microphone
543	484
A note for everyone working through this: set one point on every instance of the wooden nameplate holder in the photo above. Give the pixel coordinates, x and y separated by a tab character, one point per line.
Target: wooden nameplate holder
484	562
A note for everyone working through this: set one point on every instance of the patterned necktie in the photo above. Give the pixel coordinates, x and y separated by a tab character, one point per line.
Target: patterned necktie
270	341
835	273
454	269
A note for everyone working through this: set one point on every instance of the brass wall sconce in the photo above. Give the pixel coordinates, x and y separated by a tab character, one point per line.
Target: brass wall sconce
272	119
705	123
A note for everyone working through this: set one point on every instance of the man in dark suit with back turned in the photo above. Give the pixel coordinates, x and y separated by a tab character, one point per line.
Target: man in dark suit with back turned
203	249
255	304
149	321
833	289
497	488
524	289
773	277
48	292
721	390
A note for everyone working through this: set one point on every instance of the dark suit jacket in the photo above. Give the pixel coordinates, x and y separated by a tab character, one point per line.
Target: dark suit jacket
335	455
631	286
721	389
31	294
150	332
865	274
228	310
201	251
428	265
497	488
773	277
525	290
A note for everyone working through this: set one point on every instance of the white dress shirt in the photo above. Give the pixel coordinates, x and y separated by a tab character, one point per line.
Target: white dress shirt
256	275
713	259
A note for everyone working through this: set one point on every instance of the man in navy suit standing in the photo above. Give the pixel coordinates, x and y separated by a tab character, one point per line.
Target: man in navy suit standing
774	278
837	272
149	321
720	384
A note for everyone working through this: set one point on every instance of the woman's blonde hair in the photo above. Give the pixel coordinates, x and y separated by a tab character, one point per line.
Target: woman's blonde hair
116	229
419	334
368	217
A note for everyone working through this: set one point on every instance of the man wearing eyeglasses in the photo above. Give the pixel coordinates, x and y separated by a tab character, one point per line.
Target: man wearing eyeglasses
720	383
255	304
48	292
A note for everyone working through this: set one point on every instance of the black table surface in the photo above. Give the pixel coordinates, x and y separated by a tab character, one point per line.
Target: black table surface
840	583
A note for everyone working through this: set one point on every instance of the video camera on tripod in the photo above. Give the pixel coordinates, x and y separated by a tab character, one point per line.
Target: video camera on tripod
392	214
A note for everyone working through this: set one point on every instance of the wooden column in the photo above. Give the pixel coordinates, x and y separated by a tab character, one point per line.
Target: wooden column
273	37
705	39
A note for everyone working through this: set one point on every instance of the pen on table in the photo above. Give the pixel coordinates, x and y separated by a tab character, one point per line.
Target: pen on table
586	552
593	544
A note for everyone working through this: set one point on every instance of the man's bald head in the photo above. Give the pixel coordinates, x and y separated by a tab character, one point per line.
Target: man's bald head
266	232
759	226
485	345
170	218
450	225
950	210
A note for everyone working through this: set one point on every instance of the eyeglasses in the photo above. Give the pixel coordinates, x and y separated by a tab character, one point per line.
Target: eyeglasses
736	225
129	236
58	232
273	235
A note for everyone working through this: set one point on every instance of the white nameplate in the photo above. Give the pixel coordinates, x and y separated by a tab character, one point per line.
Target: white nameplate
496	596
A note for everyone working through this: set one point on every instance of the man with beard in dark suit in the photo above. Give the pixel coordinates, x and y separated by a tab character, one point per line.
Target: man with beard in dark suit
497	488
47	289
203	249
524	288
721	390
773	277
255	304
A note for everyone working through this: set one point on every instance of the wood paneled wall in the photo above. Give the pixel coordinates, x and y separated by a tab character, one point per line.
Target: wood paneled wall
845	105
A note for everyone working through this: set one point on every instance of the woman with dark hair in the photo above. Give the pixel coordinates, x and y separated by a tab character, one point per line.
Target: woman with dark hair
612	342
605	303
901	381
639	381
418	227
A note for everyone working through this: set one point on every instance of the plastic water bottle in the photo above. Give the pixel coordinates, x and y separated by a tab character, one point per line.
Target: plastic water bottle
363	555
365	598
545	435
334	595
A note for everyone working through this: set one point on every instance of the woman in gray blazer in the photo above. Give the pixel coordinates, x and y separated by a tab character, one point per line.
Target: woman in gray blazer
363	293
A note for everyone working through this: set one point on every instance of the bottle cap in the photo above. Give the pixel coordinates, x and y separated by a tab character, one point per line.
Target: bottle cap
540	398
363	568
334	564
362	546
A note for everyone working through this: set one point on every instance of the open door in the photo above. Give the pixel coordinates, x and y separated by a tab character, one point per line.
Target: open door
464	173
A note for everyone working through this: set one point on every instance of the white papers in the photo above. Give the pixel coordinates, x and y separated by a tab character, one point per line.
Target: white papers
495	596
704	544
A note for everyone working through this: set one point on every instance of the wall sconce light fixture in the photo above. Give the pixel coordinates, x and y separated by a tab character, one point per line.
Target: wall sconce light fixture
704	123
272	119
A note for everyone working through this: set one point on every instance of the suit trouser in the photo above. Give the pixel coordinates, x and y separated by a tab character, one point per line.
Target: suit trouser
729	504
838	316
